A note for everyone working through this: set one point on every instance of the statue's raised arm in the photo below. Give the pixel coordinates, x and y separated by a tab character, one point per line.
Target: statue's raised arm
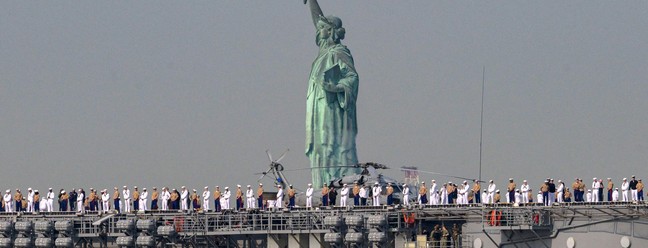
315	9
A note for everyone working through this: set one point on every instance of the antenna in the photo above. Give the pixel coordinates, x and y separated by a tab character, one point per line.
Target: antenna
481	123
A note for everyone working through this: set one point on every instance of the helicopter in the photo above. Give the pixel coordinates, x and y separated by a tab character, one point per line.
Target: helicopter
368	177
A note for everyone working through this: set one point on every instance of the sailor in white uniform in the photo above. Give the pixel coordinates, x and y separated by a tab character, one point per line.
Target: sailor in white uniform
80	207
540	197
205	197
280	195
50	200
615	195
127	200
376	191
463	193
225	202
8	201
143	199
406	193
249	197
625	186
525	191
309	195
433	193
183	198
560	191
30	200
344	195
491	192
105	200
444	194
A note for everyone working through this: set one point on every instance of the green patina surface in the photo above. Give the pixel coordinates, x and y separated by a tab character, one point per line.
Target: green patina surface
331	125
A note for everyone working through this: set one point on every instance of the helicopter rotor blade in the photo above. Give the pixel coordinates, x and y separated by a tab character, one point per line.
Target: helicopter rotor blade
440	174
269	155
282	155
323	167
264	174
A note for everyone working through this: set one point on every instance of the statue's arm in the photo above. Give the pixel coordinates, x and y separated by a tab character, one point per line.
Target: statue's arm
315	9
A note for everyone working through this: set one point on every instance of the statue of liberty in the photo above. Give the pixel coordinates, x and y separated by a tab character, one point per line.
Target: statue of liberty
331	126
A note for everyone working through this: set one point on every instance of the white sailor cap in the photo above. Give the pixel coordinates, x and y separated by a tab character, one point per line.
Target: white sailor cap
260	184
423	182
434	181
616	188
594	178
50	188
62	191
133	187
510	179
560	181
490	181
79	190
589	190
624	179
125	186
29	189
217	186
344	185
8	191
35	190
376	183
194	190
308	185
206	187
609	178
226	187
144	189
404	185
249	186
497	191
290	185
450	182
182	187
115	188
524	181
238	185
154	188
517	190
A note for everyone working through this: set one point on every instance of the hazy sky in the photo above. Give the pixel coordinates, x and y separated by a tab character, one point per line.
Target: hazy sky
154	93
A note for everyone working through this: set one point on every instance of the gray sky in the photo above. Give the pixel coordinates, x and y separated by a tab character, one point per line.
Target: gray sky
155	93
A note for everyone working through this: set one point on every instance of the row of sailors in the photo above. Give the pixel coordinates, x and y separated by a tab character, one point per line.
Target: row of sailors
448	193
128	201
